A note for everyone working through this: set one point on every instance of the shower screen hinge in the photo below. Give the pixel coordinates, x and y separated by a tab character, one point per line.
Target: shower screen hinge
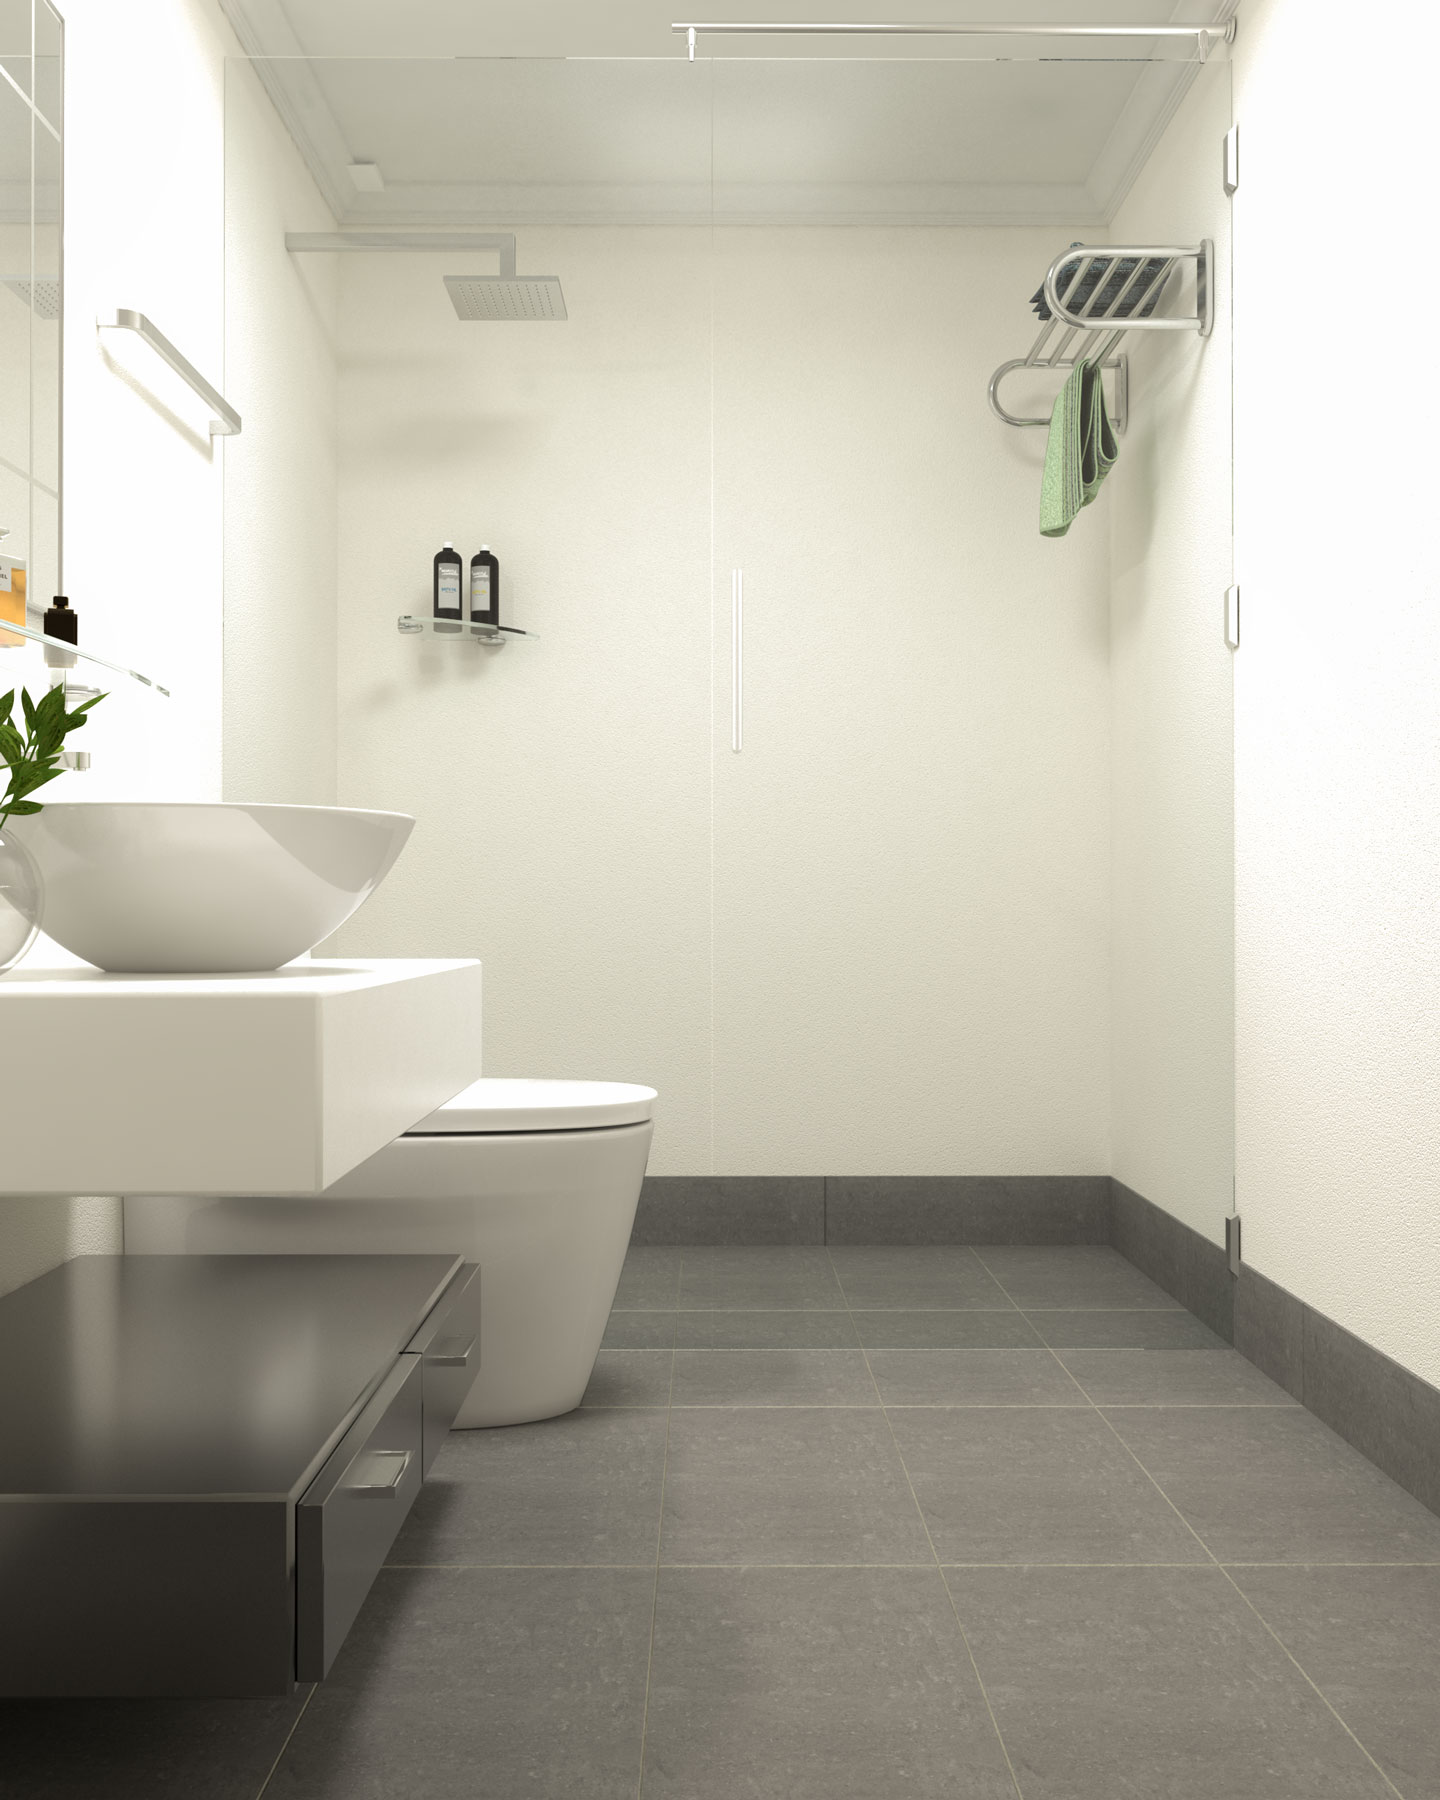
1232	1242
1232	617
1232	159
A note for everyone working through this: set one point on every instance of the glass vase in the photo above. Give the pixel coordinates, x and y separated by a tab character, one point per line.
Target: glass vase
22	896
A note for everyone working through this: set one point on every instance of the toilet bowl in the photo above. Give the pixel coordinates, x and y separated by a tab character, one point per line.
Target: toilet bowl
537	1181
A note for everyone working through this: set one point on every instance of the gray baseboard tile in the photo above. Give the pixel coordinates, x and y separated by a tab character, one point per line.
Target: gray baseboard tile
731	1209
1189	1267
967	1209
1387	1414
1270	1330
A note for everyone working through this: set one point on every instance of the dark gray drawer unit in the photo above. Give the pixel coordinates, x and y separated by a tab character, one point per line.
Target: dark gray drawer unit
204	1460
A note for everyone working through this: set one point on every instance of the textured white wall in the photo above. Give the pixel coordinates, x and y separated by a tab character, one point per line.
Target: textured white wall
146	228
1172	927
143	228
280	483
1337	691
877	940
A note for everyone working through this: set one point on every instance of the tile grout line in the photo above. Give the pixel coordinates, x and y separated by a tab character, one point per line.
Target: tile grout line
279	1754
1101	1414
628	1568
659	1531
915	1405
1220	1567
924	1526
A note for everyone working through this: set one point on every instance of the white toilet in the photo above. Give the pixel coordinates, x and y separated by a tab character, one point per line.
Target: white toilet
537	1181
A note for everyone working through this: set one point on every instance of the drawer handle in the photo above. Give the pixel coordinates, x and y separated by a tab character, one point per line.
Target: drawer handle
375	1483
451	1353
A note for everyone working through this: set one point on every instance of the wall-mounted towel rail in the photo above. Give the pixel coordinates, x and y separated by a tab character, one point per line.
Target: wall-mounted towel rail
225	421
1096	293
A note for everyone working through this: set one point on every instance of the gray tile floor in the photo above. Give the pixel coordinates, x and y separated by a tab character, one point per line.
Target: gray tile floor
857	1524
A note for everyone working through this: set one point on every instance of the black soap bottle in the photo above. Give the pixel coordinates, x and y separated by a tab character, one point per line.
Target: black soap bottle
449	573
484	588
61	622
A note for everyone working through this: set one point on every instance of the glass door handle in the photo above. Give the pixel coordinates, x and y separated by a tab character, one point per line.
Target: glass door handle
737	660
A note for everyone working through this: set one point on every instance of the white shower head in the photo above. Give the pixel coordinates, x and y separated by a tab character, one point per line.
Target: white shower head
506	297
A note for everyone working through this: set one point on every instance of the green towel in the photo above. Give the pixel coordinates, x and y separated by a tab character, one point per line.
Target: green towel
1080	452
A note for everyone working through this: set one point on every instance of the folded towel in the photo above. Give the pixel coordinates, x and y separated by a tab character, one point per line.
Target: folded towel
1080	452
1111	276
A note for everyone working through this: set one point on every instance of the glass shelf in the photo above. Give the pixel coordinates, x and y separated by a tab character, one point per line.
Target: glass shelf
73	650
458	631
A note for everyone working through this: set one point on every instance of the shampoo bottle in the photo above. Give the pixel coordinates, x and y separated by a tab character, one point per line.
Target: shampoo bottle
484	588
449	573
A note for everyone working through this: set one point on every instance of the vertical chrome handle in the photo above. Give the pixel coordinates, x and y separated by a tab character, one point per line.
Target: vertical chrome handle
737	659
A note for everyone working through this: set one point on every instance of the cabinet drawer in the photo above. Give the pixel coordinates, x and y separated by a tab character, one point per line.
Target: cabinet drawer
349	1516
448	1344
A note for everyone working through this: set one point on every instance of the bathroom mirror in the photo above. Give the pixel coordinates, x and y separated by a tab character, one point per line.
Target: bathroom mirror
31	199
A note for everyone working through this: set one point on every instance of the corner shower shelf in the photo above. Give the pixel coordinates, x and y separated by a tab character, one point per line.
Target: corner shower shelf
89	656
1107	300
457	631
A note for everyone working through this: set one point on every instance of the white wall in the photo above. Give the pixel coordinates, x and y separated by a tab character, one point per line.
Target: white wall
146	228
1172	924
876	942
1337	687
280	477
143	164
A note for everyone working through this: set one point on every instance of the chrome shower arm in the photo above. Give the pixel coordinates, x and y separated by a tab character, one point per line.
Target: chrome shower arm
503	241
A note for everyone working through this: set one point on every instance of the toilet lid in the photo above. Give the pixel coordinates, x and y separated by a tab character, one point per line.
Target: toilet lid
490	1106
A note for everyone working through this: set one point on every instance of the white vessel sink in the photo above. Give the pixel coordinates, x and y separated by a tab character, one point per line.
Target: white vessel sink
148	888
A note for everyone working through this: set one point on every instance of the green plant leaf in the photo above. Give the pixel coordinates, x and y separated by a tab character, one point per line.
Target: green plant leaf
7	706
25	780
52	704
29	706
21	807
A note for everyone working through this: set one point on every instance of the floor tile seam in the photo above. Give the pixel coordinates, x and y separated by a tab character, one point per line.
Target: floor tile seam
1166	1305
990	1275
1071	1376
925	1527
650	1312
659	1538
1135	1458
514	1567
979	1257
289	1735
1234	1563
1080	1405
1311	1682
647	1312
645	1567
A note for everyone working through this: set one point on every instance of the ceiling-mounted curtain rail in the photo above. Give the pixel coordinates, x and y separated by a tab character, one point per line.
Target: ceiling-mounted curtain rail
1204	37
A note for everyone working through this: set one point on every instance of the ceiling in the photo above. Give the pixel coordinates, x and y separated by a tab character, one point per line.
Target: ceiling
571	111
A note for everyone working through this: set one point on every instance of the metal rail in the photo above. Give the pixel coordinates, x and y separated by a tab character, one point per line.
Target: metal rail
226	421
1101	321
1204	37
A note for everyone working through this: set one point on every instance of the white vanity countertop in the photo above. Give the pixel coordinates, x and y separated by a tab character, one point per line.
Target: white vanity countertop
212	1084
304	979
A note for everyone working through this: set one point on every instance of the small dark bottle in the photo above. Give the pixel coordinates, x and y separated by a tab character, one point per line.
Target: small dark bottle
449	575
484	588
61	622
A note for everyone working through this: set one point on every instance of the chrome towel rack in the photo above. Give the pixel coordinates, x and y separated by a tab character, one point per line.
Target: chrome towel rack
1094	294
225	421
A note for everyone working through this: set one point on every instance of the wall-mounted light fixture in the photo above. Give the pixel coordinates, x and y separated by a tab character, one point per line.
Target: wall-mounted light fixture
224	420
